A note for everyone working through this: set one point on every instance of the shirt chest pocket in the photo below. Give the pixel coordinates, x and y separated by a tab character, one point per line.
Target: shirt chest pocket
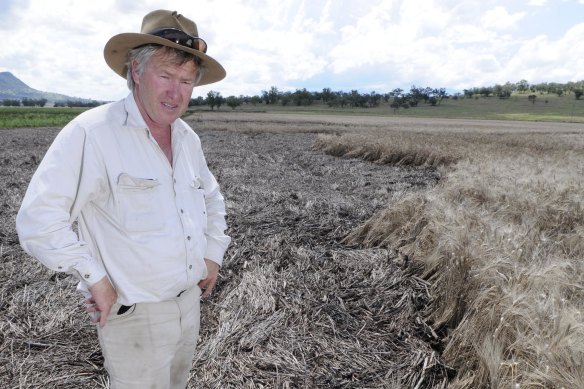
138	202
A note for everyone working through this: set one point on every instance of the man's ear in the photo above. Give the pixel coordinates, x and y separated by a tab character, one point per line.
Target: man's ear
135	74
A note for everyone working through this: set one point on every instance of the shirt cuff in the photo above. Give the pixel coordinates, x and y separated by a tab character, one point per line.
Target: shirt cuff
89	271
215	252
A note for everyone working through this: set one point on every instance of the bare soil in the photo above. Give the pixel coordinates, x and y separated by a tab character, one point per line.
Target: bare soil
295	307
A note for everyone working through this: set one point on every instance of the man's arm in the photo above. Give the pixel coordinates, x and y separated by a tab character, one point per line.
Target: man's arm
208	284
103	297
66	180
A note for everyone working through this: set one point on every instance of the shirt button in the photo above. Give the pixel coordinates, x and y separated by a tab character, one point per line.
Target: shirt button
190	267
182	211
189	237
87	276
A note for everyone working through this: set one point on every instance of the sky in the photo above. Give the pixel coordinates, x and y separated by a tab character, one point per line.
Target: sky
364	45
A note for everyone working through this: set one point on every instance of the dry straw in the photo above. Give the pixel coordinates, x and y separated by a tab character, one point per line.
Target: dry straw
350	274
294	307
501	241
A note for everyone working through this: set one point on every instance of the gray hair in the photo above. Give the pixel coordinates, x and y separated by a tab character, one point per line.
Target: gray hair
143	55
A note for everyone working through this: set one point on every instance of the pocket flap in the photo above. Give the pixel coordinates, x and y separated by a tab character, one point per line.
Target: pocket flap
124	179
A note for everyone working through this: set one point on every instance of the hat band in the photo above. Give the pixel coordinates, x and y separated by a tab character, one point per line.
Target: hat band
182	38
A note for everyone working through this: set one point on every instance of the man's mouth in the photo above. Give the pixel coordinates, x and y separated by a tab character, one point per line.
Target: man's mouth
169	106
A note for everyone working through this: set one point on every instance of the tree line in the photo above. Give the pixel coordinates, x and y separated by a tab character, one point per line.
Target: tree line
506	90
396	99
26	102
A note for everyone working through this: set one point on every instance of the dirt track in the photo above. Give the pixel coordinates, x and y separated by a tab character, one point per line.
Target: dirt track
294	307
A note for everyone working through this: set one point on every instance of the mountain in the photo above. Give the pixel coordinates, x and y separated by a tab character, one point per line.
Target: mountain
12	88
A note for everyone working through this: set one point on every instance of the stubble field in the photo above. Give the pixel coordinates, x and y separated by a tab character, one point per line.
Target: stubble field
367	253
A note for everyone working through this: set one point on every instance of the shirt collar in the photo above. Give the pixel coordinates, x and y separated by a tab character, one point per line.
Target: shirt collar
134	118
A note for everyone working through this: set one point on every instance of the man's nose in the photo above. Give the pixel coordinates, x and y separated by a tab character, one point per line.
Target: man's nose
173	89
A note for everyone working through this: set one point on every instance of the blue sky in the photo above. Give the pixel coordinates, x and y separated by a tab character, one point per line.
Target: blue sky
368	45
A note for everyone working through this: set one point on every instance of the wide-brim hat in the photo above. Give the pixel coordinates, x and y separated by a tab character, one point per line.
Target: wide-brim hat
163	23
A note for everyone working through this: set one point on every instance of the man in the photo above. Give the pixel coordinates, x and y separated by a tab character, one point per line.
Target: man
151	219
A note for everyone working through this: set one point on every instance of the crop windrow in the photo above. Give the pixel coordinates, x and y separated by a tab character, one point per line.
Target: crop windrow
500	239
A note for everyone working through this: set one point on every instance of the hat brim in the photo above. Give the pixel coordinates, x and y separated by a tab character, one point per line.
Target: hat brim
116	51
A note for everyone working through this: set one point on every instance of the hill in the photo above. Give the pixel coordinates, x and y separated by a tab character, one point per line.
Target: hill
13	88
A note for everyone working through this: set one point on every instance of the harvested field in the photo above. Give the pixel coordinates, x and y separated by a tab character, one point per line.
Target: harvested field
367	253
294	308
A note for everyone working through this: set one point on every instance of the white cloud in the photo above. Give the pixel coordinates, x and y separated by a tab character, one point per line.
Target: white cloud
542	59
287	43
500	18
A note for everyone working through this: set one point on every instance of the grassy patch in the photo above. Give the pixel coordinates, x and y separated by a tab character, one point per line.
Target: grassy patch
517	107
11	117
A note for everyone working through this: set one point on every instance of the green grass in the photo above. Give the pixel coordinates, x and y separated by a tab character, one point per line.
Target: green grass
546	108
11	117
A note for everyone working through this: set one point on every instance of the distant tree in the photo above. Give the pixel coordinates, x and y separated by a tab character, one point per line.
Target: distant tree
302	97
214	99
233	102
402	100
522	86
439	94
285	98
273	95
485	91
34	102
316	95
339	99
255	100
428	93
27	102
327	95
532	98
266	97
354	98
374	99
503	91
11	103
397	93
578	93
197	102
82	103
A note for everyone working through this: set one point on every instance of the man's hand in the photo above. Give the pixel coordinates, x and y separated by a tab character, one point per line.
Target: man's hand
208	283
103	297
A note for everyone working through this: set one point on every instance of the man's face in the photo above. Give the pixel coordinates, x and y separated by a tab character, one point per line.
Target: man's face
163	90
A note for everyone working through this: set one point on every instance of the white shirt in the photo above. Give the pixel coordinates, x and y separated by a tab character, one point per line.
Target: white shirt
145	224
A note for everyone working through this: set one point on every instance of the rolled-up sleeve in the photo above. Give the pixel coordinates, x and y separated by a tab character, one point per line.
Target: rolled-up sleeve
64	182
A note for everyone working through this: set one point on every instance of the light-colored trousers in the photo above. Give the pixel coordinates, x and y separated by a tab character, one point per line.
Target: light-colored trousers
152	344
